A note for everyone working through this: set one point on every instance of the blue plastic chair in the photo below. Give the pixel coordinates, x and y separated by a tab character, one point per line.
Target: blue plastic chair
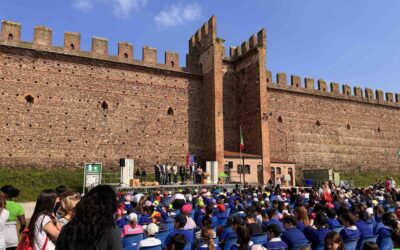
131	241
385	243
158	247
162	236
365	239
302	247
188	246
259	238
229	242
350	244
222	221
337	229
169	225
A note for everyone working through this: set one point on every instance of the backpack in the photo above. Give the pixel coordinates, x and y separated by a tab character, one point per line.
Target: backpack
25	242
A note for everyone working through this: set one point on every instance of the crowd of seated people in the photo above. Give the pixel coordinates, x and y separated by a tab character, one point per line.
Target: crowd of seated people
251	218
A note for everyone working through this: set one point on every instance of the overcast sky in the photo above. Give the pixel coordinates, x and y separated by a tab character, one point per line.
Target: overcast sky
355	42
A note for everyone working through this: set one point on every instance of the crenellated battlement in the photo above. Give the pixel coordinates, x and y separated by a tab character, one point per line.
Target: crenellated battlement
257	40
43	40
307	86
204	37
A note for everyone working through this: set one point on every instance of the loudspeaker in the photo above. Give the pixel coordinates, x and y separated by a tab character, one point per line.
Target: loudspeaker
122	162
230	164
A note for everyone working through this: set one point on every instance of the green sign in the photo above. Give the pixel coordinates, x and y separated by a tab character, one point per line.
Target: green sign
92	175
93	168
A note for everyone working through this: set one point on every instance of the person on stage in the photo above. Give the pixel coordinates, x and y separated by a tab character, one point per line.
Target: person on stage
163	174
157	172
182	173
175	173
169	173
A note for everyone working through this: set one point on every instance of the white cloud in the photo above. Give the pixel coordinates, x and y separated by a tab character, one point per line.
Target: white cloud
83	5
178	14
121	8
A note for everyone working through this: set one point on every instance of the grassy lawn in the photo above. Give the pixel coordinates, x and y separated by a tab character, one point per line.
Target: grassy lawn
368	178
30	182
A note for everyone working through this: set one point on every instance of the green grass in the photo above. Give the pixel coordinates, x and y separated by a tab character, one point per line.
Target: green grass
30	182
368	178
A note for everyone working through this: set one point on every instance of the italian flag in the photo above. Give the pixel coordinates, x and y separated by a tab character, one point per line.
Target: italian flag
241	140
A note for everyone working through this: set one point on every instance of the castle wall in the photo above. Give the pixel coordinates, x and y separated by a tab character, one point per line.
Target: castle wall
333	127
63	107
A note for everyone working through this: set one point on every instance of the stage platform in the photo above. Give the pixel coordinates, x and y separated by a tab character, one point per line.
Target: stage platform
173	188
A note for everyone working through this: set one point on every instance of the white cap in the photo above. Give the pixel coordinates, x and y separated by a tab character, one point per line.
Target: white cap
132	217
152	229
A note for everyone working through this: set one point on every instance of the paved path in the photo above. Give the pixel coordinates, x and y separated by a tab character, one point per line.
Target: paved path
29	207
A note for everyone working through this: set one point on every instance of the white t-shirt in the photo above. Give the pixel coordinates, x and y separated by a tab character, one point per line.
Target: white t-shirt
149	242
178	196
41	235
3	218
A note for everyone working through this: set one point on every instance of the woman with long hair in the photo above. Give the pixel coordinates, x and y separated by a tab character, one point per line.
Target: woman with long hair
302	217
333	241
67	208
3	218
207	235
93	225
43	226
243	238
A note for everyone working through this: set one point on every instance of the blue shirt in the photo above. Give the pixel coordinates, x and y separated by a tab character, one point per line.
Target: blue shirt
277	222
382	232
347	233
316	236
294	237
145	219
187	233
227	232
365	229
333	223
276	244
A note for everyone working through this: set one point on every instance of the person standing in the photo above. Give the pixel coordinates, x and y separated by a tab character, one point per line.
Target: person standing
175	173
43	226
3	218
182	173
143	176
16	212
157	172
163	174
93	225
278	184
169	172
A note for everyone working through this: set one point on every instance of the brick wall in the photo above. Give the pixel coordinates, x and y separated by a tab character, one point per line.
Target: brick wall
62	110
325	130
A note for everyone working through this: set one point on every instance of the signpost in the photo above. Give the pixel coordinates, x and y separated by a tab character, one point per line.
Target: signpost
92	175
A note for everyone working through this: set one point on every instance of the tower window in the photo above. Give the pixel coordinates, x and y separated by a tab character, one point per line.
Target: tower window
29	99
104	106
72	46
172	63
348	126
318	123
280	119
10	37
170	111
126	55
